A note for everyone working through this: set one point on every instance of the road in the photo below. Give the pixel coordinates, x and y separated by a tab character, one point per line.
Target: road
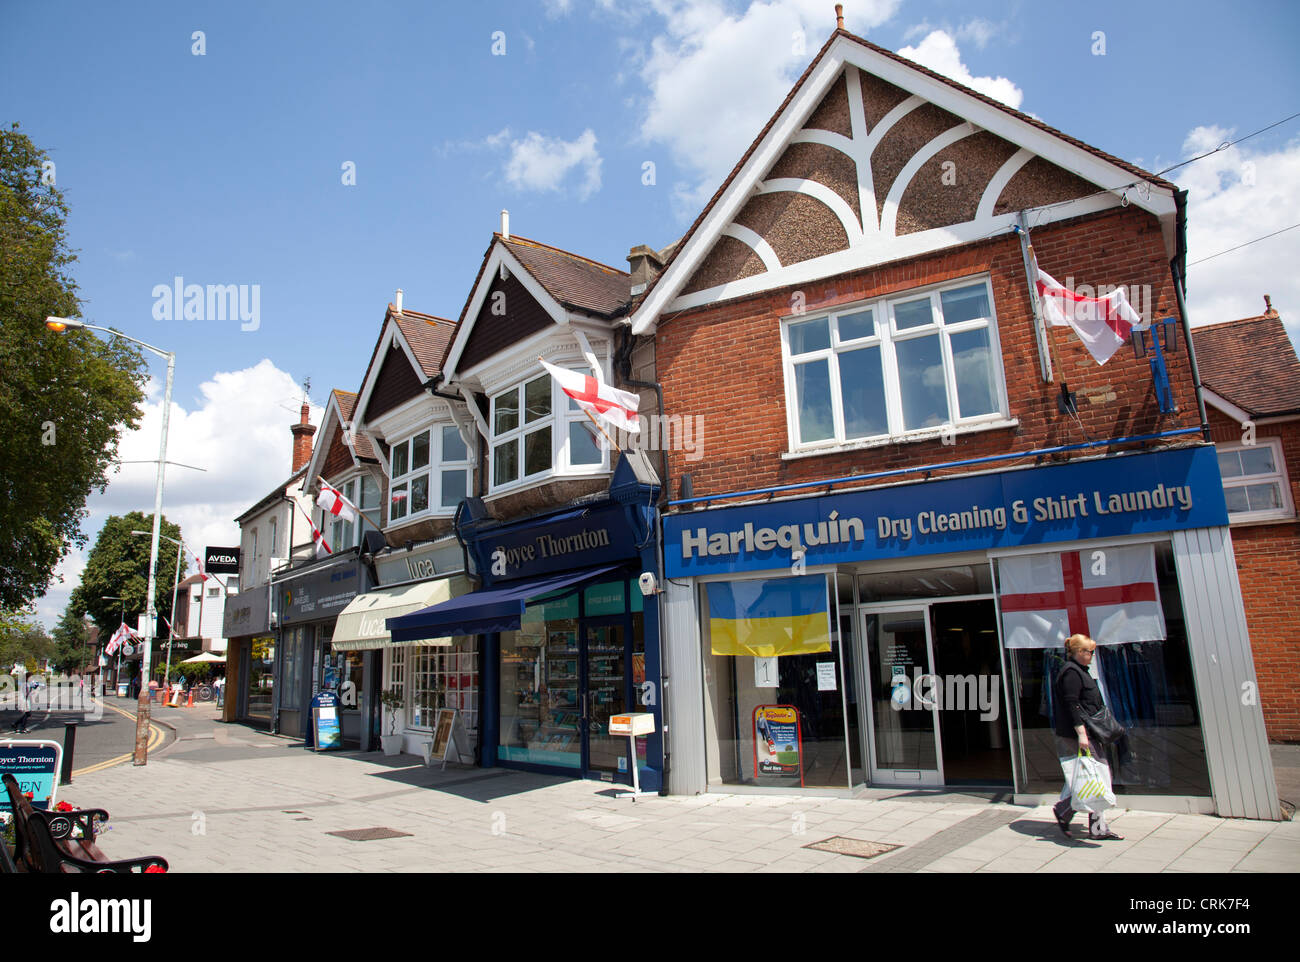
105	734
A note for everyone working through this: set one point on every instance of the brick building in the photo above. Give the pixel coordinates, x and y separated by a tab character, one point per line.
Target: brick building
1251	379
910	480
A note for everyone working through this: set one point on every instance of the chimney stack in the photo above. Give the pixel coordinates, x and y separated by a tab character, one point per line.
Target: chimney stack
397	301
505	225
302	432
644	264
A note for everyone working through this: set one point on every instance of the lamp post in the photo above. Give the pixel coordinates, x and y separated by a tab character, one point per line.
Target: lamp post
171	622
59	325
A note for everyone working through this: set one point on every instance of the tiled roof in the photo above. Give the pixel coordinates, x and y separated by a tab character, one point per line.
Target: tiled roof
347	402
574	281
1125	165
428	336
1251	363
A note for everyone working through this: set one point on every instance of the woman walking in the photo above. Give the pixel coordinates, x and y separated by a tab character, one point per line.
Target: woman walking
1077	695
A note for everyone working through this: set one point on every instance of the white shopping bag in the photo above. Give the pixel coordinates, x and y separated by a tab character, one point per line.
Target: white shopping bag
1089	781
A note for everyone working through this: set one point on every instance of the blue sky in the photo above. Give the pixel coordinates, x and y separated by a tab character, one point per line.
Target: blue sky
226	168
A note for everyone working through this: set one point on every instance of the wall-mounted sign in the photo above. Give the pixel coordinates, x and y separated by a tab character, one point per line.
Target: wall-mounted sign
221	561
575	539
320	594
1106	497
247	613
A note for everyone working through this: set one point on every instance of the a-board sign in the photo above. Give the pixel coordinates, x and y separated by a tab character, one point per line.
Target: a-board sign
326	732
35	764
450	739
778	742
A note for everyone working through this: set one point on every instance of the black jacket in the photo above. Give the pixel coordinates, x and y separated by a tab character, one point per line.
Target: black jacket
1077	695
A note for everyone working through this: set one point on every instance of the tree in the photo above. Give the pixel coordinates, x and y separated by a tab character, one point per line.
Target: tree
23	641
118	565
66	397
71	642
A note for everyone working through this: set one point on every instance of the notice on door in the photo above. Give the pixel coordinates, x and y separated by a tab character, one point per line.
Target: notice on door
778	742
826	676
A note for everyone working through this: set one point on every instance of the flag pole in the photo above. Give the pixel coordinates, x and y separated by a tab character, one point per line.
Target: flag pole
360	510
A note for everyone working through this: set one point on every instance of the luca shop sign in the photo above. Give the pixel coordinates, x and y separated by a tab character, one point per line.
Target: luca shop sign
1107	497
35	766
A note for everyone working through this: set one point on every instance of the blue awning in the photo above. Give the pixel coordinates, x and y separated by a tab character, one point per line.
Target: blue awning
486	611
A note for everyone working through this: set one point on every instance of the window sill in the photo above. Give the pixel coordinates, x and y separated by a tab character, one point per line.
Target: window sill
595	474
406	519
932	434
1254	520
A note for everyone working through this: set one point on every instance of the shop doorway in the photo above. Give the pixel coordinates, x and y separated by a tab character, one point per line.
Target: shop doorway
936	705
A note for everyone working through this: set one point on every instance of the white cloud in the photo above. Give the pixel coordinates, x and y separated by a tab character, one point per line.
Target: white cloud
715	78
1235	196
238	432
939	52
978	31
542	163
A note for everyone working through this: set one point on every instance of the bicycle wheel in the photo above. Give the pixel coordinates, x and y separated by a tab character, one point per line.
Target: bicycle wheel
204	693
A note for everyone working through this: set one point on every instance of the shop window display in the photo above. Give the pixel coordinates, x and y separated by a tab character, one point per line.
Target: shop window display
774	685
1149	687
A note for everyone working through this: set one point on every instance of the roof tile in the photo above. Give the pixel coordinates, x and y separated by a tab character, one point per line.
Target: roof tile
1252	363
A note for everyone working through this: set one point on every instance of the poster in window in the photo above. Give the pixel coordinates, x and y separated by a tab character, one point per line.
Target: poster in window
778	742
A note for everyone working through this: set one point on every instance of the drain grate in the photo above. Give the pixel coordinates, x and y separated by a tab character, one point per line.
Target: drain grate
858	848
369	834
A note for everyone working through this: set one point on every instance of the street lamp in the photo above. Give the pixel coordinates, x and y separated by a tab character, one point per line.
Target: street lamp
171	622
59	325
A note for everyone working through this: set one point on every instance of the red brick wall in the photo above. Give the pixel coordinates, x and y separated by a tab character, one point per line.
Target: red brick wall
724	361
1268	566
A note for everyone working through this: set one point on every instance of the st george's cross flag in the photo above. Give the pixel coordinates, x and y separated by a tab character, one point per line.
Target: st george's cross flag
316	536
121	636
1109	594
1102	323
332	501
602	401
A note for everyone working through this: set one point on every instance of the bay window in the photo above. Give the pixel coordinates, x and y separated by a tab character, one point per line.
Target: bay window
894	366
430	473
538	430
364	493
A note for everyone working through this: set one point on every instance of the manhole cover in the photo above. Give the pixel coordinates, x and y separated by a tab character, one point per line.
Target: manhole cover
369	834
856	847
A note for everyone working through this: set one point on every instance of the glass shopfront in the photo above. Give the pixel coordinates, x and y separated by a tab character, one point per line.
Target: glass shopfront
577	658
774	683
259	679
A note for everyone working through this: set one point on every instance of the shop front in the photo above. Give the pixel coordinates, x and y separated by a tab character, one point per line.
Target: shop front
907	636
431	674
567	639
310	600
250	657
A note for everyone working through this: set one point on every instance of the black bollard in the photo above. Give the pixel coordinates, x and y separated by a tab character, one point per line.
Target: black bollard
69	746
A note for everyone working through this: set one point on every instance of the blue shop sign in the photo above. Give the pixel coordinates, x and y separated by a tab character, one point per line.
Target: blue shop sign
1136	494
581	538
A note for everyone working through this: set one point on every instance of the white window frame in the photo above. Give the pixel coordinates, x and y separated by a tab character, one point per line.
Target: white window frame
434	469
887	336
563	413
1279	477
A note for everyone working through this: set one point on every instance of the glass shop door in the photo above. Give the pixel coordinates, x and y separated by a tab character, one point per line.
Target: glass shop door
899	667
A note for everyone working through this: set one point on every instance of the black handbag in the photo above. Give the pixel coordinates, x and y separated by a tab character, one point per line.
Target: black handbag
1101	726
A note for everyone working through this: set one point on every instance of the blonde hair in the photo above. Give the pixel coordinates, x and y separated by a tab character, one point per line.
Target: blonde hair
1077	643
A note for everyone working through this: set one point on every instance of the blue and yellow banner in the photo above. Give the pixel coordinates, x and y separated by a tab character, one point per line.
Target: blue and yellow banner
768	617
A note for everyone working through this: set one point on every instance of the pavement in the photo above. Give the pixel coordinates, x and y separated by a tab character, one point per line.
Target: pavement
225	798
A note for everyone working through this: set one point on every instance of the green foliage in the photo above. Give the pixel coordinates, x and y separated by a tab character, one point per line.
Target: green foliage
66	397
72	651
191	673
23	641
118	566
391	698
